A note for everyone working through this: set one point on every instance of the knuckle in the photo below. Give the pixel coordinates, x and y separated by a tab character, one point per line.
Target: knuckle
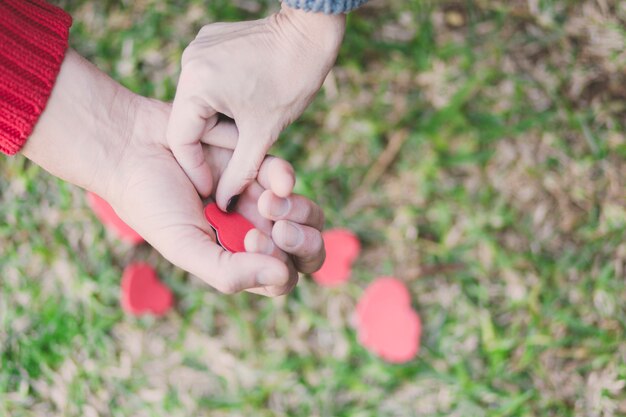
311	213
309	267
282	291
313	262
204	30
210	29
228	288
195	67
292	283
321	219
195	159
312	245
315	215
192	69
277	291
307	210
318	246
249	174
227	284
188	55
318	261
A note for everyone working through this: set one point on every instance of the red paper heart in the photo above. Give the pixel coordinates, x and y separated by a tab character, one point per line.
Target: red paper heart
143	293
230	228
110	219
342	249
387	324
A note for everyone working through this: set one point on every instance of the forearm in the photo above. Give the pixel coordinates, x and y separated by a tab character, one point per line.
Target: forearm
84	127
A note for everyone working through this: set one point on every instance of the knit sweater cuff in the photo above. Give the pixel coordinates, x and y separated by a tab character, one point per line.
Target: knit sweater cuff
33	41
325	6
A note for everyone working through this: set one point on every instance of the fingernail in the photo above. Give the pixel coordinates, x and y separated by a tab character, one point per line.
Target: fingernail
266	277
232	203
221	117
293	235
279	207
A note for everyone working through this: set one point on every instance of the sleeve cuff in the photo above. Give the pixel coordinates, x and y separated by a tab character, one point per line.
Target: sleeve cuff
325	6
33	40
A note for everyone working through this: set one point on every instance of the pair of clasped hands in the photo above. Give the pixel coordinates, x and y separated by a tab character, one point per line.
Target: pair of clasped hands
156	162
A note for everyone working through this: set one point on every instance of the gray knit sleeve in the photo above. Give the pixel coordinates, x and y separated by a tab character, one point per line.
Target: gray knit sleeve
325	6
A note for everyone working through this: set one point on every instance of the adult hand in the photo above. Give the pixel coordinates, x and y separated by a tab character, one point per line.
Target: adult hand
262	74
155	197
98	135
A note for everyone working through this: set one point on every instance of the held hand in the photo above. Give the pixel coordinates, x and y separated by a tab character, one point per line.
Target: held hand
156	198
262	74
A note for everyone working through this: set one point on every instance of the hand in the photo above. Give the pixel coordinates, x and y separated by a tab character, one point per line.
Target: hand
154	196
100	136
262	74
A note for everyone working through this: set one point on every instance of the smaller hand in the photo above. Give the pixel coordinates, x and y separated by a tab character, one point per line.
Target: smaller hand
262	74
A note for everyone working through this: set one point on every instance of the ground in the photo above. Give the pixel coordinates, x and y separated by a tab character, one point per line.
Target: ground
476	147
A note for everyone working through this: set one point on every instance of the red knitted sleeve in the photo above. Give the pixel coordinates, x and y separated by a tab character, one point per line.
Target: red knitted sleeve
33	41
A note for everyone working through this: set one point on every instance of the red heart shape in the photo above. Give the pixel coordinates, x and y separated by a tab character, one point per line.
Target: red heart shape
143	293
386	323
230	228
110	219
342	249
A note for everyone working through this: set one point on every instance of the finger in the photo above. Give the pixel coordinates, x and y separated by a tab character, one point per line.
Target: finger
224	134
295	208
258	242
243	167
274	173
275	291
277	175
192	249
303	242
198	171
189	119
247	207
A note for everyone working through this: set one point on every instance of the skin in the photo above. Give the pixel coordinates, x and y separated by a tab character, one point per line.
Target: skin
262	74
98	135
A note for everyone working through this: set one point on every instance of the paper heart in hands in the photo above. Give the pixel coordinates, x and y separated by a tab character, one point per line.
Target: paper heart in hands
110	219
342	249
230	228
143	293
387	324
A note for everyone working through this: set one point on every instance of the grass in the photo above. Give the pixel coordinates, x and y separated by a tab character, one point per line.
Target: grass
501	204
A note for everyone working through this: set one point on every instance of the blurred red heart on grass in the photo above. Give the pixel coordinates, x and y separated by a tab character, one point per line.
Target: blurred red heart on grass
105	213
230	228
143	293
342	249
387	324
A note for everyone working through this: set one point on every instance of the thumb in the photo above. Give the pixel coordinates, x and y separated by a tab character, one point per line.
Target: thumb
243	167
193	250
189	119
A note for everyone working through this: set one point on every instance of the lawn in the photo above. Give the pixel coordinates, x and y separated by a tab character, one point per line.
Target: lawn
477	148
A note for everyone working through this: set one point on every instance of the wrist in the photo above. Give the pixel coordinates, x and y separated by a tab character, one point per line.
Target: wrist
85	127
325	30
